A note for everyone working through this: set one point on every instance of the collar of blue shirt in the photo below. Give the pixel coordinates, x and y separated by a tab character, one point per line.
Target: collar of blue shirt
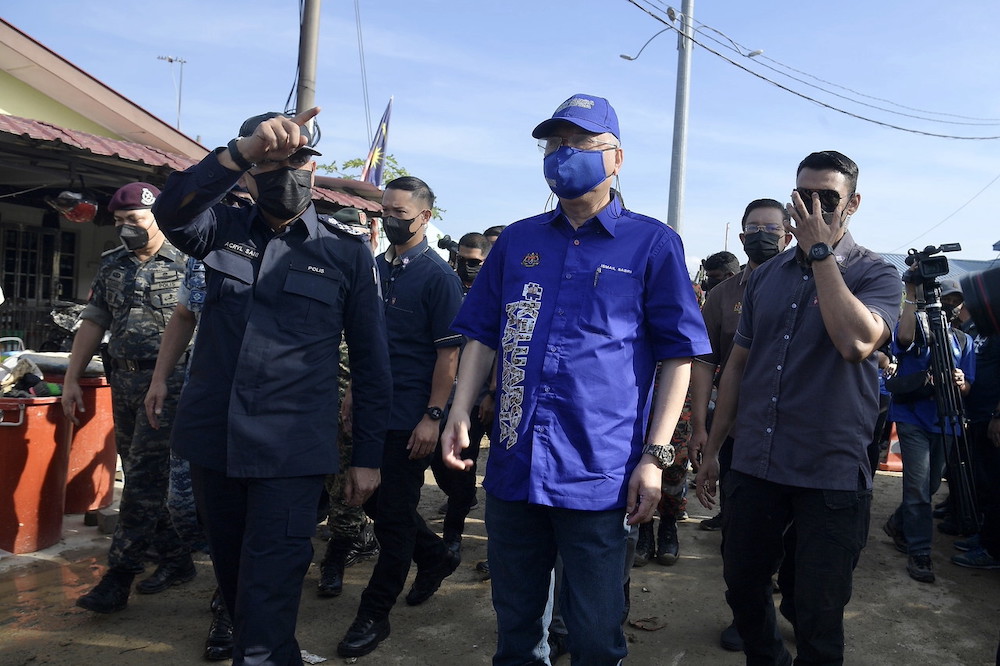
607	217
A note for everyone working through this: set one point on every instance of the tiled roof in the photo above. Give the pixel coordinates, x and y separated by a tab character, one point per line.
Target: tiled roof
135	152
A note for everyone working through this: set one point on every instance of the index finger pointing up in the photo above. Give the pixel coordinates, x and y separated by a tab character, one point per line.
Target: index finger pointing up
305	116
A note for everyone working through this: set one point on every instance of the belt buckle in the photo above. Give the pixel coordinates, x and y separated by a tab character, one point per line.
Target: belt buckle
131	365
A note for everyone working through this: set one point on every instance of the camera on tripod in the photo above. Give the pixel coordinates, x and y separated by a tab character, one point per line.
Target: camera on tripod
930	264
446	243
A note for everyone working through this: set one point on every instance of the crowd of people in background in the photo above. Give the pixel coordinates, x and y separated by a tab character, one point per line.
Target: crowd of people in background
573	341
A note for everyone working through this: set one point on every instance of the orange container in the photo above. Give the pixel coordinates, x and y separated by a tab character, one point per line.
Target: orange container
34	454
90	483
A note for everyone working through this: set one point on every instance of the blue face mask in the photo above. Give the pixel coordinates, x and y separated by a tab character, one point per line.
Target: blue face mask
571	173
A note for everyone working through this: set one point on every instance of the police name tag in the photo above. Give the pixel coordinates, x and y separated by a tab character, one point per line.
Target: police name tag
242	250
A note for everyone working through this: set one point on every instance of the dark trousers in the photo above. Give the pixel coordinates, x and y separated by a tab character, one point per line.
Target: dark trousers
986	470
401	531
831	529
459	485
260	533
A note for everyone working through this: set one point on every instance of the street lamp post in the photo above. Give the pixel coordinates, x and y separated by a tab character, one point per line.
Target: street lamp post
678	153
179	87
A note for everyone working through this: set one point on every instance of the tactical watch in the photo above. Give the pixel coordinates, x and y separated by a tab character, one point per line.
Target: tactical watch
663	453
436	413
819	252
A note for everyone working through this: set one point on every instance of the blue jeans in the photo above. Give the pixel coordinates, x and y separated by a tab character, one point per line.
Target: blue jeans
831	528
524	540
923	455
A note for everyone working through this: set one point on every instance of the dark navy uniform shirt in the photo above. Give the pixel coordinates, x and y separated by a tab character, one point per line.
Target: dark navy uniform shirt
580	318
422	295
805	414
261	400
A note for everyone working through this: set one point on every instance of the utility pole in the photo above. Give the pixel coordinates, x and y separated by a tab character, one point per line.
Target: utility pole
179	89
678	154
305	91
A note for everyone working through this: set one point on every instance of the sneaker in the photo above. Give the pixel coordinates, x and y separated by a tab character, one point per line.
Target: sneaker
920	568
965	545
976	558
896	535
712	524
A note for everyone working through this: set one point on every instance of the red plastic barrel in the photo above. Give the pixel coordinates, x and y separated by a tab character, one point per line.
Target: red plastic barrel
34	454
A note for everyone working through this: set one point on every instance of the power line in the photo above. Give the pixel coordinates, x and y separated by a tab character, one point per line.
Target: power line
813	99
975	196
364	71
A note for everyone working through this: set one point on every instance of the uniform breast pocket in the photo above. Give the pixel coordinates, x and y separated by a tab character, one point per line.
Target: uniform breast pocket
611	305
311	300
228	283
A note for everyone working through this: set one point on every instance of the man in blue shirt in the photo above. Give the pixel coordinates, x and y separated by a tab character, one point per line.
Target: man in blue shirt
583	303
923	443
421	295
257	418
801	387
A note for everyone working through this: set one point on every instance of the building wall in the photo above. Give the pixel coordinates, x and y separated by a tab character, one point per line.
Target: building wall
19	99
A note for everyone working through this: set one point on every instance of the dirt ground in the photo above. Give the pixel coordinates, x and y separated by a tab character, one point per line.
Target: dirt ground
891	619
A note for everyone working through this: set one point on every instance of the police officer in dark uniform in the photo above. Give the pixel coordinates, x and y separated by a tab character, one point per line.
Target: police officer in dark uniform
258	415
133	296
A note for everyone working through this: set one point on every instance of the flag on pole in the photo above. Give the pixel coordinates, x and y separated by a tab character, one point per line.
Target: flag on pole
375	163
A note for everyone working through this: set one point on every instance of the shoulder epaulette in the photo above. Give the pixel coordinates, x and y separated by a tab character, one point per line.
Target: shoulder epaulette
358	233
108	253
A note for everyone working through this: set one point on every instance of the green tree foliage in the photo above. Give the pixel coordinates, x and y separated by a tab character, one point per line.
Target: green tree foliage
351	169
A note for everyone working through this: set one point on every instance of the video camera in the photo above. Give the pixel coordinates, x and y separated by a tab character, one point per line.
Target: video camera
929	266
446	243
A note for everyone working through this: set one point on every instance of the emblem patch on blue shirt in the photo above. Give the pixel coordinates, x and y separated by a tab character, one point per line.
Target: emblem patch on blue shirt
531	259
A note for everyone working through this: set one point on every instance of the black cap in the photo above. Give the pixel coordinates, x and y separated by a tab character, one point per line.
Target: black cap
250	124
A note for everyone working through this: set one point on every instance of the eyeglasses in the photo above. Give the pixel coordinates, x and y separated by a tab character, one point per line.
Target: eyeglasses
472	263
828	199
770	228
578	141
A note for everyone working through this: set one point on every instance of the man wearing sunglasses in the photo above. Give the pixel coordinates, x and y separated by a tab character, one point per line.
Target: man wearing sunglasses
580	303
257	418
800	397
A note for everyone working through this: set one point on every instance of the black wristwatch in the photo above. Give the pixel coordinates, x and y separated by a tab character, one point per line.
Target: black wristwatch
663	453
819	252
436	413
237	157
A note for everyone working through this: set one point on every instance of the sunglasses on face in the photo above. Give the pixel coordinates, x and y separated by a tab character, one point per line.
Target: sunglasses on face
828	199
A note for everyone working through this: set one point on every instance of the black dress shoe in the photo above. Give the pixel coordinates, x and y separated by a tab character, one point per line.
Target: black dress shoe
110	595
363	636
429	580
170	573
219	644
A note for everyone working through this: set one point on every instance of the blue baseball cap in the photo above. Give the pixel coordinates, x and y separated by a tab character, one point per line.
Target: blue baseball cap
593	114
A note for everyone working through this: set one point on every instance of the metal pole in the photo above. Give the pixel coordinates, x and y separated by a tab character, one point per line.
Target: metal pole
305	92
678	153
180	92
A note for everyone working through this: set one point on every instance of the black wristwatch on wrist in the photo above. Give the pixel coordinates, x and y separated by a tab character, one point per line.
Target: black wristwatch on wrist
819	252
237	156
436	413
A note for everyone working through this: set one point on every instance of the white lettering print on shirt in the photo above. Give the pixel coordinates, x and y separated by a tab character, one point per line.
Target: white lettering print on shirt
521	319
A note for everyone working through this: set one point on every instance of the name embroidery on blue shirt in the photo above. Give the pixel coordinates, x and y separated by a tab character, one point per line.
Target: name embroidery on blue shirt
242	250
521	318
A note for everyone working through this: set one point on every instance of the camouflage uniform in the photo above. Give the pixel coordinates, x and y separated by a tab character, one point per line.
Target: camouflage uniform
180	496
345	522
134	301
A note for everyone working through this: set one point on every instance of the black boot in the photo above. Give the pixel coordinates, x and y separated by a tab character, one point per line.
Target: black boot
219	644
644	547
364	547
667	547
331	576
110	595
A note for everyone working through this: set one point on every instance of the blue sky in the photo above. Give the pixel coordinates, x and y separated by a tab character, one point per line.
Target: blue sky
472	78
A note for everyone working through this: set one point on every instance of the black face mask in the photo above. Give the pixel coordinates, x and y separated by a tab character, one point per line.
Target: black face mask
397	231
760	246
708	283
467	273
284	193
134	238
